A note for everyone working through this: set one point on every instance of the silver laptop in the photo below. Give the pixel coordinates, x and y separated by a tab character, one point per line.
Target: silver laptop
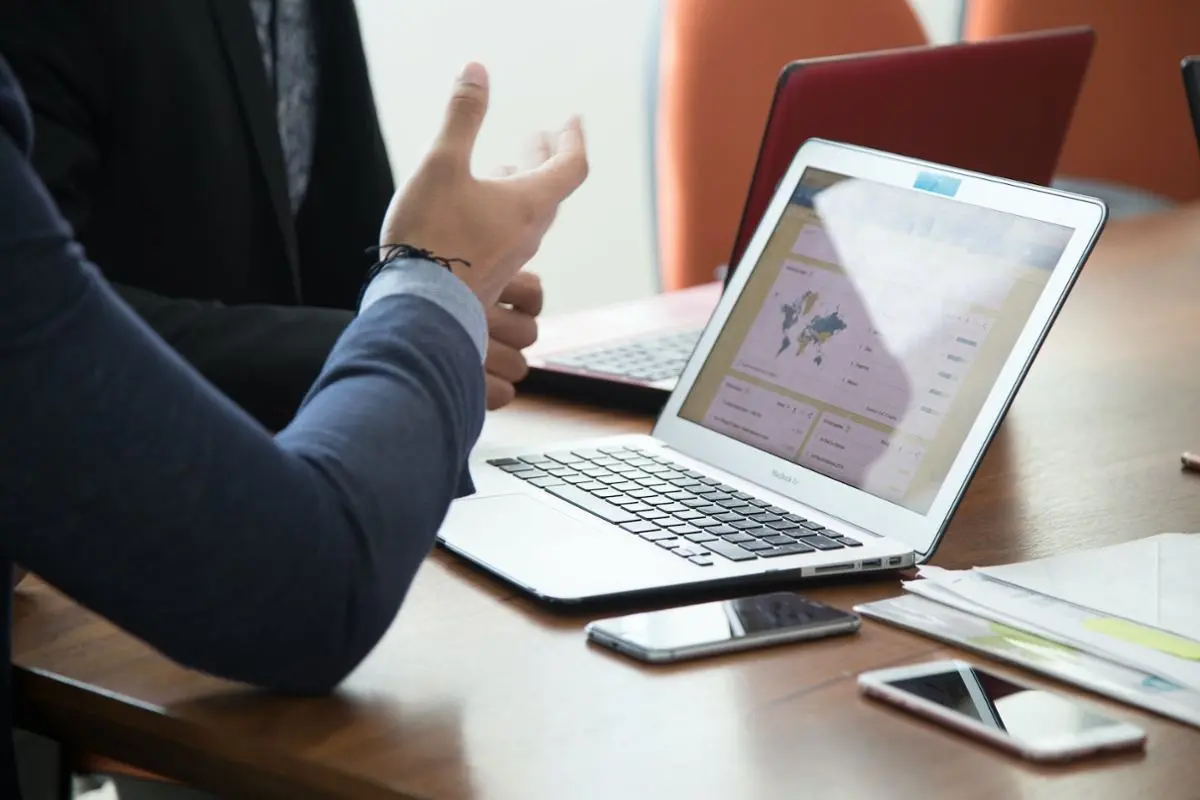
835	408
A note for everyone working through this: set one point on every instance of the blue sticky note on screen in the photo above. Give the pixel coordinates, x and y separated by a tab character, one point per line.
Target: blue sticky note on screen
938	184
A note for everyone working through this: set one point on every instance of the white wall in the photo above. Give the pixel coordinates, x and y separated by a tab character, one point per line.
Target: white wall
940	18
548	59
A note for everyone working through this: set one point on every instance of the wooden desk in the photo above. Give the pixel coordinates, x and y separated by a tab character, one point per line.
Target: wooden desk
477	692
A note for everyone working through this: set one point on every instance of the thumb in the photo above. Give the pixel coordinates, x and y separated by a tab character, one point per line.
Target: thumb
464	116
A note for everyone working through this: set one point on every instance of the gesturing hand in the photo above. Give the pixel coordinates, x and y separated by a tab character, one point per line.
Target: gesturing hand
496	225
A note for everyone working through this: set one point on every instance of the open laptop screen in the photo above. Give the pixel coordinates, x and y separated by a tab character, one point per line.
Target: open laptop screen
872	329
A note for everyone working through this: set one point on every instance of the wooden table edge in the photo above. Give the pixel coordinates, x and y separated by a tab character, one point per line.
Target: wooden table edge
83	717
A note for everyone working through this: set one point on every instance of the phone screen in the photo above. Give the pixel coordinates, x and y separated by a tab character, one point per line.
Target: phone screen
723	621
1026	715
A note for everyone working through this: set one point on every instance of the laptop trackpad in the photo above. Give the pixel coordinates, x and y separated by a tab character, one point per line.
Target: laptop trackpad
551	552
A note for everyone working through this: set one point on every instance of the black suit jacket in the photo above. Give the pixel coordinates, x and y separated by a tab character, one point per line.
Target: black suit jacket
155	130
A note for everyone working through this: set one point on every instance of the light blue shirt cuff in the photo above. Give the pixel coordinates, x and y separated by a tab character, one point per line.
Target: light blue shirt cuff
436	284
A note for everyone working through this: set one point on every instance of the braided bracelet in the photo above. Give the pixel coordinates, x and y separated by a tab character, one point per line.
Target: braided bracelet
389	253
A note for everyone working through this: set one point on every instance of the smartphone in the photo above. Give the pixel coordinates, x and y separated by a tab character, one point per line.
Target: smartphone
725	626
1032	723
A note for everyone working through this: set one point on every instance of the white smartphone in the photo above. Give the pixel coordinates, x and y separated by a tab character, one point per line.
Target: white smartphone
1033	723
725	626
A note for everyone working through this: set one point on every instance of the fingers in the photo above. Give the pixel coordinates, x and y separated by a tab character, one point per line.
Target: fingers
464	115
524	293
511	328
563	170
540	150
505	367
567	168
506	362
499	393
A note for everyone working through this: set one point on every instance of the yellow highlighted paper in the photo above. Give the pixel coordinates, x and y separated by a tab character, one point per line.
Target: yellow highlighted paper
1143	636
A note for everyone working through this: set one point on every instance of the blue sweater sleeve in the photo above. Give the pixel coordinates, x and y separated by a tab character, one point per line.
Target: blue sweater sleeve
140	491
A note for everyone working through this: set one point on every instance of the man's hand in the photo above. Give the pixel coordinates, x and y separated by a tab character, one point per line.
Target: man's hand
512	326
496	225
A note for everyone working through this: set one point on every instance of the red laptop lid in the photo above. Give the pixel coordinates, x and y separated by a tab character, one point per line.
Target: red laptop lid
1000	107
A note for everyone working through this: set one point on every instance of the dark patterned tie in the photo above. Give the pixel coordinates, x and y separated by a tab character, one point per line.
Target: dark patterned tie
290	58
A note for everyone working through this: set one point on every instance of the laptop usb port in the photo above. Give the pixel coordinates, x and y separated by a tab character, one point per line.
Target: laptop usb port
895	561
872	563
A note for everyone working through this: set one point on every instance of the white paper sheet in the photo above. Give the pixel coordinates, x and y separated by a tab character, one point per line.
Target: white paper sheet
975	593
1153	581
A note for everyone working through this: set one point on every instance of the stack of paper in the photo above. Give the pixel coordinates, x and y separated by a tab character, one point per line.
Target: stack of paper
1123	621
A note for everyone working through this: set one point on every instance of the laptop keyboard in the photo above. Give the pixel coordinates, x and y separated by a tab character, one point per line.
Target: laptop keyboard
651	359
690	514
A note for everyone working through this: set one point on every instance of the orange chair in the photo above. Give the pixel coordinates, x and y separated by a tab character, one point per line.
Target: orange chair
1131	126
718	63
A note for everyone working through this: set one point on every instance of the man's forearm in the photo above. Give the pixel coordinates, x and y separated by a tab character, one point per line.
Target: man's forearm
135	488
303	547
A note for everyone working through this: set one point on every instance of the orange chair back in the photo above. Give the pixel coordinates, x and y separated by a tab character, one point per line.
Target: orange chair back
718	64
1131	124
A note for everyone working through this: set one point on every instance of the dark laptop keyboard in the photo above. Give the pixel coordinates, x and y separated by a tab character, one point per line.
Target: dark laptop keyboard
681	510
651	359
